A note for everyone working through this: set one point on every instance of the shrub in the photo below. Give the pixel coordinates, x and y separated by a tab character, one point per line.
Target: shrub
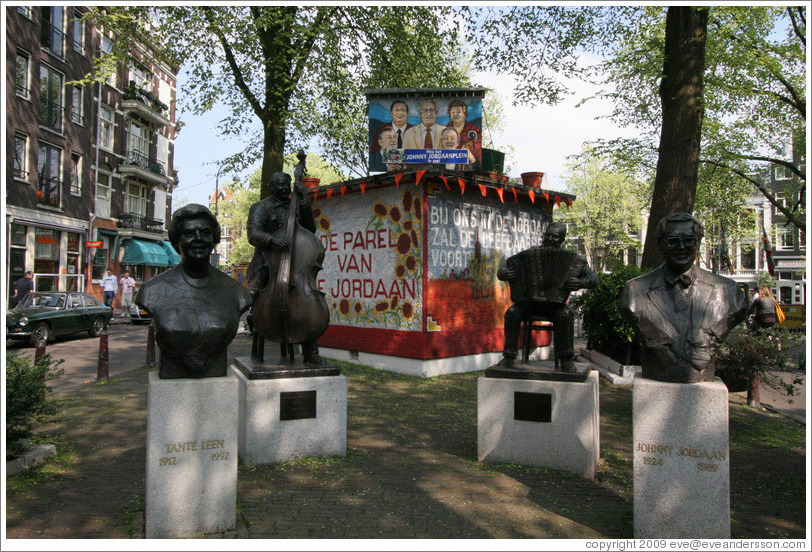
605	330
751	358
26	394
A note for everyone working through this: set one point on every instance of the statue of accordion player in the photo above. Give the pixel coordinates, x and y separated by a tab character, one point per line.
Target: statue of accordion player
541	279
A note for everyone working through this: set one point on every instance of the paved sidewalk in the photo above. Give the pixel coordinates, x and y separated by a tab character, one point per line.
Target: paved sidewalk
410	472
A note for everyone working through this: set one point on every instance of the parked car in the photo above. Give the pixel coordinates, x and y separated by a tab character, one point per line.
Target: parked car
139	315
43	316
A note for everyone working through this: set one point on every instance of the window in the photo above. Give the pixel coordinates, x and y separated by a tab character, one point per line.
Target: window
17	235
21	156
76	174
748	257
49	185
106	44
136	199
786	237
106	126
78	32
142	77
22	77
103	196
100	259
139	145
106	47
52	35
47	244
50	98
77	106
25	10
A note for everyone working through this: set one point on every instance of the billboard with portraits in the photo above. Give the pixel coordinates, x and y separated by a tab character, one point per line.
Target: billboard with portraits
418	127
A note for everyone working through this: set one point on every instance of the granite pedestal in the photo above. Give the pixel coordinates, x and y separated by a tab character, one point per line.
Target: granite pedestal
191	456
290	413
551	422
681	460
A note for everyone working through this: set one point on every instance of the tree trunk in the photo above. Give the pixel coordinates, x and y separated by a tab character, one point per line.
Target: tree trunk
752	392
273	154
681	95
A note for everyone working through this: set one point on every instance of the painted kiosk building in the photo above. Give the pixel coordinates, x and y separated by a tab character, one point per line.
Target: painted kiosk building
412	252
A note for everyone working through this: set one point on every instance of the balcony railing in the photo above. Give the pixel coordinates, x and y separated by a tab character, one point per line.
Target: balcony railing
49	191
140	159
51	114
137	221
133	92
52	37
77	118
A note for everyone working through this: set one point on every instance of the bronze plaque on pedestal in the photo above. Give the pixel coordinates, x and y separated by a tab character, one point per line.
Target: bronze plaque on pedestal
297	405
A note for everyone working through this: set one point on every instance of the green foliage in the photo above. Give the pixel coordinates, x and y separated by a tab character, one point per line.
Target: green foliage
605	330
755	86
609	208
26	394
747	355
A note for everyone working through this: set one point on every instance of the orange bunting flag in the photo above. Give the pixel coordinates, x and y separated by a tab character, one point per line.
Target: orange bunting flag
546	197
532	195
315	194
501	193
445	181
329	193
343	189
515	195
558	200
419	175
397	179
483	189
569	202
363	186
462	185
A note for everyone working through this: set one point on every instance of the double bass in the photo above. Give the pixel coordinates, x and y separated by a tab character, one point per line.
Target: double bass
290	308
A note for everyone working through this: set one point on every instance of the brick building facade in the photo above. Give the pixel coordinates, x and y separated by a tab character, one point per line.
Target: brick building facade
89	176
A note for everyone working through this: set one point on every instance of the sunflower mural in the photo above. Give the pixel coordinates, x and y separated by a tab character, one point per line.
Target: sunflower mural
373	271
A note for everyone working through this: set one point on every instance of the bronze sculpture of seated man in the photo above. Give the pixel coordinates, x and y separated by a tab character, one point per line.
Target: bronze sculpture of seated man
573	274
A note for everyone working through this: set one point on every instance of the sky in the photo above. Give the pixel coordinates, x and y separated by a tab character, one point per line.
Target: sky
542	137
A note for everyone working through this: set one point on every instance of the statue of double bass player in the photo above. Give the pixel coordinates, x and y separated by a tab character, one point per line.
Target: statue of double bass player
288	307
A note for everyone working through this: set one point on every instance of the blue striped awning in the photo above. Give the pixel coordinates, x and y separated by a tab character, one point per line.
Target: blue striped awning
171	254
139	252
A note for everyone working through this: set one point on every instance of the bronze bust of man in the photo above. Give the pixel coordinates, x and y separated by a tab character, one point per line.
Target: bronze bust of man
681	313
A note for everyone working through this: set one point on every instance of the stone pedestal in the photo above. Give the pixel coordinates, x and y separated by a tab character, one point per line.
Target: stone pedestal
540	422
286	418
681	460
191	456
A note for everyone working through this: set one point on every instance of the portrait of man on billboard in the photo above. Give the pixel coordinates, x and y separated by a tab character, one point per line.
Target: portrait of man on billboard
412	130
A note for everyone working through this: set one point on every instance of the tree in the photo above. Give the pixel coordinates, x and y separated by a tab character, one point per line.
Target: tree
754	98
234	213
754	94
609	207
298	70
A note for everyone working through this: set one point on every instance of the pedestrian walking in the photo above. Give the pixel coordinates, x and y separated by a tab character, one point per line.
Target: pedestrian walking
127	285
22	287
110	286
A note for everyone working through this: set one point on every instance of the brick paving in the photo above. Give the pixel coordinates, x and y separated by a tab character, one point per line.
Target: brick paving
410	472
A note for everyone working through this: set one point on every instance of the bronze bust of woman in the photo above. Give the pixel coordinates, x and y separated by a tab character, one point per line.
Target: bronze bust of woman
196	308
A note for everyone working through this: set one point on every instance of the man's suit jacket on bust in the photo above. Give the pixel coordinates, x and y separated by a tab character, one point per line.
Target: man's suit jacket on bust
681	348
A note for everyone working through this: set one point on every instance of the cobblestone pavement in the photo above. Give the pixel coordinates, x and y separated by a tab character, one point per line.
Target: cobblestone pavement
410	472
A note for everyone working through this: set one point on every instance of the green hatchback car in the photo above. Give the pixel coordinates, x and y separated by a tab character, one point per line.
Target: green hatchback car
43	316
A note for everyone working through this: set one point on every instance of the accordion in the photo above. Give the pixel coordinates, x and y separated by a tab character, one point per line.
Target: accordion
541	273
